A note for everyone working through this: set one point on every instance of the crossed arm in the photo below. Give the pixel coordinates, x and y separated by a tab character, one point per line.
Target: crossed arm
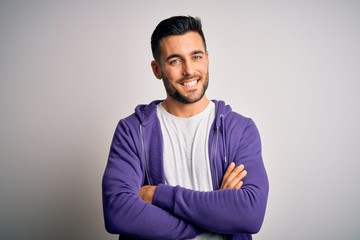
232	180
176	212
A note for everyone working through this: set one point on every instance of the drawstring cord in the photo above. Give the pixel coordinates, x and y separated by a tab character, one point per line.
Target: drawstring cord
222	119
215	151
220	123
146	172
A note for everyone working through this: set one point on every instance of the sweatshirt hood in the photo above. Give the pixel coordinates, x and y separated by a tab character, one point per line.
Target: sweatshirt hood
222	110
147	112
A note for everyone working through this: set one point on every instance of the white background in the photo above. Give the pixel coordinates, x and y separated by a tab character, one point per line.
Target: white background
69	70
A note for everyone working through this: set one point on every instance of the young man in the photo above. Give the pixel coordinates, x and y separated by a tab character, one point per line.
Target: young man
185	167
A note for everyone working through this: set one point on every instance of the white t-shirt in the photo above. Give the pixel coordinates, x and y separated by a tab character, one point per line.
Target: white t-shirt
186	153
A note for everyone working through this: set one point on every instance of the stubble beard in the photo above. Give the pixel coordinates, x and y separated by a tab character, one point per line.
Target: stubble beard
178	96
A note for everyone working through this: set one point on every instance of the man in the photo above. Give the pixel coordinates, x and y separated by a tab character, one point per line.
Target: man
185	167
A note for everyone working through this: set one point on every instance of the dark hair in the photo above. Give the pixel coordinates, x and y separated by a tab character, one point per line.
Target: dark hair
177	25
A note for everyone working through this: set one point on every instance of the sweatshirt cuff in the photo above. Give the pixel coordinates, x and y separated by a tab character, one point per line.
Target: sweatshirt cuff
164	197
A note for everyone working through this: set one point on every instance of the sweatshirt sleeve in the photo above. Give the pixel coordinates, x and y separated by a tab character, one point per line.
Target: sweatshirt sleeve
124	212
225	211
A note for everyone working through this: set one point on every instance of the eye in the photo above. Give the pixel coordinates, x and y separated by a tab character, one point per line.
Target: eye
174	61
197	57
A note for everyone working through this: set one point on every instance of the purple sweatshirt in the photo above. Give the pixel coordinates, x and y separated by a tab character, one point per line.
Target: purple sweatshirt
136	159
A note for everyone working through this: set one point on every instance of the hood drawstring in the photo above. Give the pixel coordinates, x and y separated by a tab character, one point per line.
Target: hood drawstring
220	123
146	172
222	119
214	150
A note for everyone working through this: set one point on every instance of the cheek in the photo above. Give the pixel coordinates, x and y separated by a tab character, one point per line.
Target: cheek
172	74
204	67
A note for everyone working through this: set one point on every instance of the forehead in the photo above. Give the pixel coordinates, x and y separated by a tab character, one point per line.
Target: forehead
181	44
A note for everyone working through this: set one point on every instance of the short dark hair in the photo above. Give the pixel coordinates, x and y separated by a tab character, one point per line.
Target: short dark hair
176	25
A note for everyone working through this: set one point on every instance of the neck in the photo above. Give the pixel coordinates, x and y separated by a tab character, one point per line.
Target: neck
184	110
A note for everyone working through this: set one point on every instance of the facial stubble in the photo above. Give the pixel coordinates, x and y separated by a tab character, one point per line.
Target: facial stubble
178	96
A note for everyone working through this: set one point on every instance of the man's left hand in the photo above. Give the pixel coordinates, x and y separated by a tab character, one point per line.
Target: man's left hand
147	192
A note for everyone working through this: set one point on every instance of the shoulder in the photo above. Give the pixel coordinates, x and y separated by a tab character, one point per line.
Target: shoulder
240	125
143	114
232	119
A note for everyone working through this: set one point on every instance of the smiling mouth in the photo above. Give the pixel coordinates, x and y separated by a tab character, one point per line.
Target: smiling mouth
190	84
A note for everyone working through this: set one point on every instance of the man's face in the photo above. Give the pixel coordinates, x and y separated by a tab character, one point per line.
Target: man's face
183	67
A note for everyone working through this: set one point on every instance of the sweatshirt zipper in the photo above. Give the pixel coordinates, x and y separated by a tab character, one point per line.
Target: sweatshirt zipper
214	157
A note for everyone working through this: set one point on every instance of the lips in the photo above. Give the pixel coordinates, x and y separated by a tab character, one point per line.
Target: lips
190	81
190	84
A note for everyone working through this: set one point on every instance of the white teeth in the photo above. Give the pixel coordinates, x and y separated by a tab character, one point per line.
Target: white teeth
190	84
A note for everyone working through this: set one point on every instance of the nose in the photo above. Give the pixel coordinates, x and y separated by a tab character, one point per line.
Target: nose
188	68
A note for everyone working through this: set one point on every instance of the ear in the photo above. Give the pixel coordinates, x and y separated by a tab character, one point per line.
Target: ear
156	69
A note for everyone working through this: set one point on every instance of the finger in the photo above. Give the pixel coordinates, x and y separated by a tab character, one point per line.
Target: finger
228	172
228	179
234	181
239	185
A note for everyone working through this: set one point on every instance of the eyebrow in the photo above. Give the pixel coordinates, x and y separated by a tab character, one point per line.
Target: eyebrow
197	52
173	56
179	56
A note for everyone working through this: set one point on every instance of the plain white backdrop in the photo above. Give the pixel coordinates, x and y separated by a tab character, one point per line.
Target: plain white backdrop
69	70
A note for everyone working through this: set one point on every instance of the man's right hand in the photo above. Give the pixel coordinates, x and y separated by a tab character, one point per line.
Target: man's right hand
233	177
